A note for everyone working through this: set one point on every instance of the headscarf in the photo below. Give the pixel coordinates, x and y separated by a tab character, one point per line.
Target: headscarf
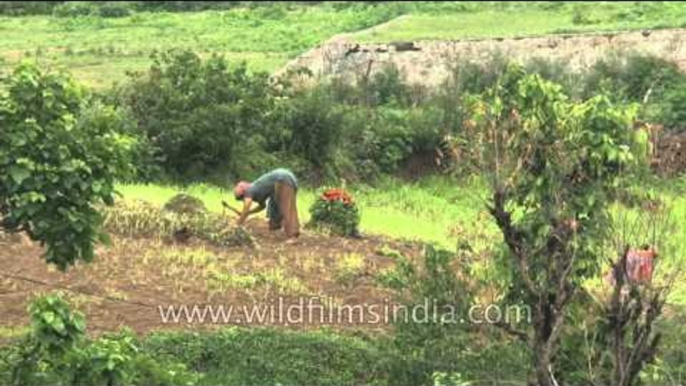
240	189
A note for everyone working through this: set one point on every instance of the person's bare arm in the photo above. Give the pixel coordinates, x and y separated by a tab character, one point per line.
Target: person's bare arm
247	203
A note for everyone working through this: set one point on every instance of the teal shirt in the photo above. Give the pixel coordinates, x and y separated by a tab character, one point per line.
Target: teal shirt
263	187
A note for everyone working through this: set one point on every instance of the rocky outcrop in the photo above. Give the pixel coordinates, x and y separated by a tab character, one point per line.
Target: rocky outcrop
428	62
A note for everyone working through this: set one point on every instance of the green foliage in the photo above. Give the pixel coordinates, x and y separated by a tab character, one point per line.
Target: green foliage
447	343
56	351
205	117
59	156
564	160
54	325
583	16
631	77
18	8
670	364
313	125
114	9
339	216
74	9
257	356
672	114
556	166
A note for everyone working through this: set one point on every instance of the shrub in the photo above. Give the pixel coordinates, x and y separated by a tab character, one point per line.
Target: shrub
335	211
57	351
312	127
630	77
114	9
448	345
74	9
673	115
387	86
205	118
59	156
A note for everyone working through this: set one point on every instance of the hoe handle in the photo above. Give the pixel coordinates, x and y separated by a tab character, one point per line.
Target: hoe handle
227	206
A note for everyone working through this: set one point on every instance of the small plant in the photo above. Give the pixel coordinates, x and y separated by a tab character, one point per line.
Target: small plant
349	267
53	323
185	204
57	351
336	211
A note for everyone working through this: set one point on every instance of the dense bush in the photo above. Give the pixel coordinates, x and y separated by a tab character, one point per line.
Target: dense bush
312	127
336	212
60	155
204	118
74	9
57	351
655	83
630	77
18	8
673	109
114	9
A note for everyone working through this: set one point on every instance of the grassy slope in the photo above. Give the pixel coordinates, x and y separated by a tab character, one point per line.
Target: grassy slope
100	51
519	19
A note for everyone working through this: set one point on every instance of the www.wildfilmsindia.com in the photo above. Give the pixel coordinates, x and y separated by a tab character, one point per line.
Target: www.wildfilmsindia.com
316	311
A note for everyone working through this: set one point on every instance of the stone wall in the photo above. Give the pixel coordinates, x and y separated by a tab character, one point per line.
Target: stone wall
428	62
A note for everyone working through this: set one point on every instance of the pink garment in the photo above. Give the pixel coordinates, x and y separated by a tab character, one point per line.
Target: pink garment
241	188
639	267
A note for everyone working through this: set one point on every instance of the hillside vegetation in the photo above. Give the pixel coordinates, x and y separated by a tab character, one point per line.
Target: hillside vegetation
99	42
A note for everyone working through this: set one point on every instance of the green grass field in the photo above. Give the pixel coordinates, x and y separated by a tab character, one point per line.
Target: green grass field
99	51
521	20
428	211
434	209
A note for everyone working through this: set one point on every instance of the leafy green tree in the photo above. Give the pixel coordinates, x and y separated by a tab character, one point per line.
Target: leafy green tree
59	158
556	166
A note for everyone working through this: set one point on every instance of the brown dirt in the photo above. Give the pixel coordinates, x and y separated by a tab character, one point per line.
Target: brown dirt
128	280
670	154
